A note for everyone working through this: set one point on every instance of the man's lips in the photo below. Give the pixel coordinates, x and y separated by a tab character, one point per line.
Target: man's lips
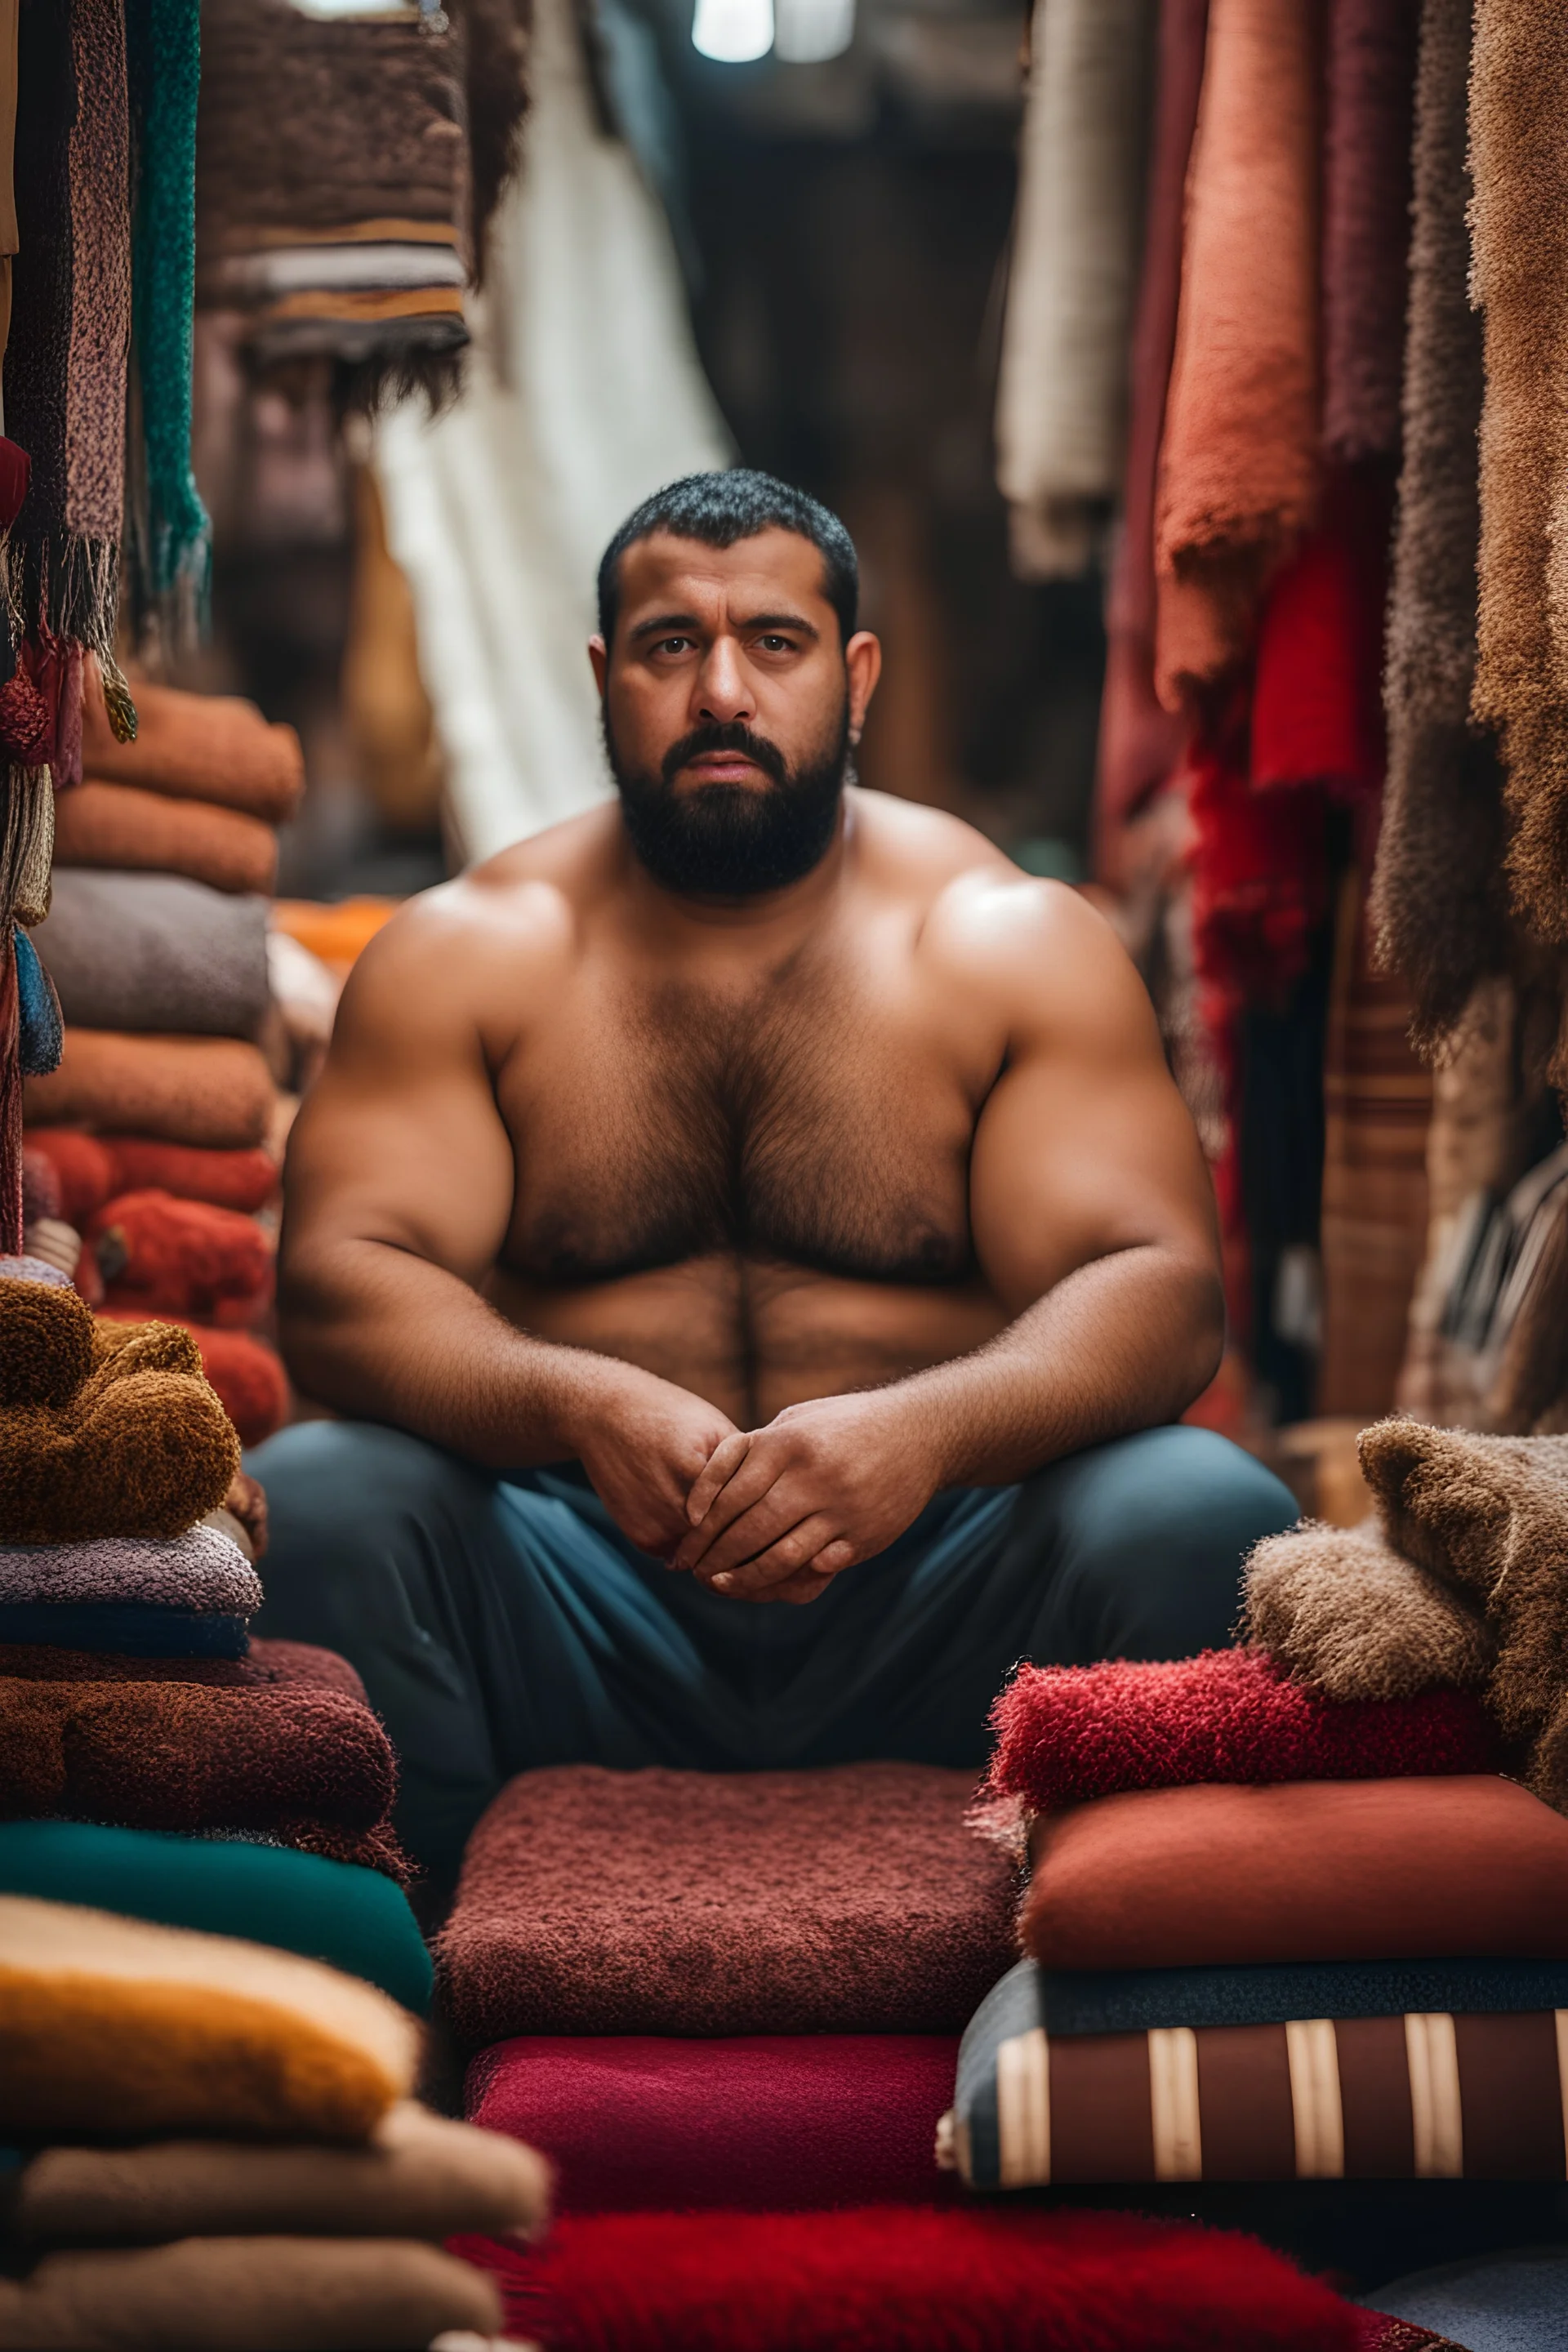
721	766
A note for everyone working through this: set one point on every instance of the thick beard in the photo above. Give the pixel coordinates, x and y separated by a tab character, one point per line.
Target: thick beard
733	841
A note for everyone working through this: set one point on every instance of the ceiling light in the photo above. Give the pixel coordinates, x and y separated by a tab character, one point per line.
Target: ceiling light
734	32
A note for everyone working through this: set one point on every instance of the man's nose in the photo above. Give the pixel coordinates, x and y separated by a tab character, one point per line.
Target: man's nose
723	691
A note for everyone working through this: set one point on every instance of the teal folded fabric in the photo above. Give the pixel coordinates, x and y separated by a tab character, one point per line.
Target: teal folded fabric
127	1629
1137	2001
353	1919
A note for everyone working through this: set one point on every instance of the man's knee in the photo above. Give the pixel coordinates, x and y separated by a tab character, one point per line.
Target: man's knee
1151	1532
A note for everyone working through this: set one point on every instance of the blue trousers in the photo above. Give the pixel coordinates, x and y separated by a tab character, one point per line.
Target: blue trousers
501	1623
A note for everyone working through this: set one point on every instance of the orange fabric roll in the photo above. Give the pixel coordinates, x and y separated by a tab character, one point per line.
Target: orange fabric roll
210	1090
196	747
121	825
337	933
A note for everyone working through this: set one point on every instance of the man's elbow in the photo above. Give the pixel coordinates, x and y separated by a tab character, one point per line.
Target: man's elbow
1202	1330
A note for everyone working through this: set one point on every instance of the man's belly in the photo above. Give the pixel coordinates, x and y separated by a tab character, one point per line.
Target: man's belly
755	1337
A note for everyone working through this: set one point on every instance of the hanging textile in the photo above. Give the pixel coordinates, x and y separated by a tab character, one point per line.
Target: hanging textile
1437	893
1062	393
584	394
1370	84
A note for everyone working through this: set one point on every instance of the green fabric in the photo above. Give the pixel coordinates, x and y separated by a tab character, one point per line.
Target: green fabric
173	536
353	1919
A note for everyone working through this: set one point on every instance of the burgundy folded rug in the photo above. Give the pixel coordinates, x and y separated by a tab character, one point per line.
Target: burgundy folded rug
268	1665
764	2123
881	2278
852	1900
1065	1733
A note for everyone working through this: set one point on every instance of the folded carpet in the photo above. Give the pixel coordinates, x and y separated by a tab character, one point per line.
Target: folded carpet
758	2122
155	1632
113	2027
1068	1733
880	2277
137	1451
89	1170
200	747
268	1665
178	1755
122	828
850	1900
1309	1871
1070	2001
155	952
421	2175
183	1258
352	1919
200	1569
1423	2096
1343	1610
46	1340
250	2294
252	1383
213	1091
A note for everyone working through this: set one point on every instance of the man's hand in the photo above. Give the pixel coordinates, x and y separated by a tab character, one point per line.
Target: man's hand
778	1512
642	1446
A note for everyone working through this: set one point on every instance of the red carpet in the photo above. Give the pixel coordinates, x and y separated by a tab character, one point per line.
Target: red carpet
883	2278
775	2122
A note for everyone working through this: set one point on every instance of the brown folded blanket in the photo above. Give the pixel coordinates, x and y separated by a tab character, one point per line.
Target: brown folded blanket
265	1665
1344	1611
121	825
216	1091
196	747
251	2294
45	1343
137	1450
851	1900
422	2176
112	2028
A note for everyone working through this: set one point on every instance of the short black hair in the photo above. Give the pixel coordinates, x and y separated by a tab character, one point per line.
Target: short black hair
720	509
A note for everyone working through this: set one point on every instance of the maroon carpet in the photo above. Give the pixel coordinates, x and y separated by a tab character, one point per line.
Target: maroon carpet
883	2278
852	1900
778	2123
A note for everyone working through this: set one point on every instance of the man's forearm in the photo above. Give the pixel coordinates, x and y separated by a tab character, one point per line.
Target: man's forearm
1124	1344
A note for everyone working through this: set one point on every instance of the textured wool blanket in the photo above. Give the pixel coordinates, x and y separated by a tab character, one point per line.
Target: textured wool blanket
251	1384
1062	396
116	2027
1238	464
1345	1613
215	1092
122	825
154	951
851	1900
200	1569
1370	80
91	1169
1437	890
160	1254
196	747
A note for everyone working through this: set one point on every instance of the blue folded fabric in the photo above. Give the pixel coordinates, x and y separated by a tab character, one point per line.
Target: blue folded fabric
1137	2001
42	1033
1493	2302
126	1628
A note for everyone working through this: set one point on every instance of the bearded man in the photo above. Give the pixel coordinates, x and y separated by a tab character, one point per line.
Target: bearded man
754	1243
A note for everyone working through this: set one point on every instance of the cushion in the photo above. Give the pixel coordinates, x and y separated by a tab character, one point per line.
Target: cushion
353	1919
1429	2095
115	2028
1309	1871
851	1900
1131	2000
765	2122
881	2278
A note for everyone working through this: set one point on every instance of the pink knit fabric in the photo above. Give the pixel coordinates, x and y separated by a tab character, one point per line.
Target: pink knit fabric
200	1569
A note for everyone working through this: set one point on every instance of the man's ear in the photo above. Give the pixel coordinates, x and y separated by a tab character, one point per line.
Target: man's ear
863	661
598	654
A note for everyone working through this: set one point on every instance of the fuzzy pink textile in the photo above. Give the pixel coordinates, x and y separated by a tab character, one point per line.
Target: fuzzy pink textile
1067	1734
200	1569
851	1900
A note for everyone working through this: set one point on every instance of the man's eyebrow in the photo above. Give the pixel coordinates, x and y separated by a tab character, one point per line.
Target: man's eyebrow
796	622
662	623
666	623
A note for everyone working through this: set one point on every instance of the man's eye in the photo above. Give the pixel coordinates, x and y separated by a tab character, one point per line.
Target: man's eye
771	644
672	645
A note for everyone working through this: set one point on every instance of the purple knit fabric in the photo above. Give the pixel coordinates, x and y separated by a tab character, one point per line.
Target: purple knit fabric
202	1569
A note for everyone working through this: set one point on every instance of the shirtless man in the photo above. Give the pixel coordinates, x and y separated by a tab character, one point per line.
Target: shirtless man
755	1192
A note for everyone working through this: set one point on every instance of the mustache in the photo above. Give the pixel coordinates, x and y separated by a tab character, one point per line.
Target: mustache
727	735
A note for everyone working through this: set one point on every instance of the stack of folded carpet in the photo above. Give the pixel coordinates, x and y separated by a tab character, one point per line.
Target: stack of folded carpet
1288	1916
129	1690
214	2141
152	1146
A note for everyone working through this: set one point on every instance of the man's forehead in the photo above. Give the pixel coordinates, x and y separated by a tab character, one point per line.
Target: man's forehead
667	570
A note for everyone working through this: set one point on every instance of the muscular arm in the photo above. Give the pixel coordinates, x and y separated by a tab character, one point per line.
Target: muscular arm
1093	1222
399	1193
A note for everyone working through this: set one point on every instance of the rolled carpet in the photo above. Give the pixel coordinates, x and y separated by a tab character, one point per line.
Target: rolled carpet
200	1569
91	1169
758	2122
850	1900
1065	1733
155	952
881	2278
135	1451
250	2294
200	747
156	1632
1342	1610
121	826
347	1918
46	1340
252	1383
215	1091
1307	1871
113	2027
421	2175
185	1257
